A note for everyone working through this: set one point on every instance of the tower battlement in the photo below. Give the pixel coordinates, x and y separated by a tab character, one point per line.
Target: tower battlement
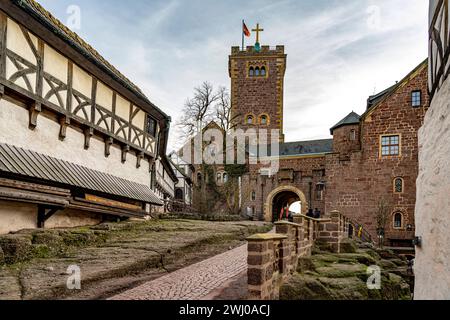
250	50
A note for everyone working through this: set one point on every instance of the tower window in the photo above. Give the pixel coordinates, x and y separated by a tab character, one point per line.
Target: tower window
263	71
390	145
251	72
225	177
257	72
249	120
416	98
264	120
398	185
253	196
398	220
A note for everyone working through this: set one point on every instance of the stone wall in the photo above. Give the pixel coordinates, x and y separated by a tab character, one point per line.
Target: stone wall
432	263
358	182
273	257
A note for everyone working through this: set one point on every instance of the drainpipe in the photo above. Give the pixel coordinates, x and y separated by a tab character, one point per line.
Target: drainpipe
310	196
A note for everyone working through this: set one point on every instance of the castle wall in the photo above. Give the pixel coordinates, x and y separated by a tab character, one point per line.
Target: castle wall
356	184
432	264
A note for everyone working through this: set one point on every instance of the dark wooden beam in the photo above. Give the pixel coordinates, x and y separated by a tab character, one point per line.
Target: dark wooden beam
125	150
45	213
108	143
88	133
139	157
93	99
3	28
69	86
34	112
40	68
64	122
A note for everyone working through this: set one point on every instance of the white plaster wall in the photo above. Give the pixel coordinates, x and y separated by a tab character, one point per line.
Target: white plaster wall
432	264
55	64
17	43
104	96
16	216
139	120
82	82
123	108
44	139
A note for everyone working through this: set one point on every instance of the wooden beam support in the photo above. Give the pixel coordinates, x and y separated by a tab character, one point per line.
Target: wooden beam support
45	213
88	133
140	156
3	27
125	150
64	122
34	111
2	91
108	143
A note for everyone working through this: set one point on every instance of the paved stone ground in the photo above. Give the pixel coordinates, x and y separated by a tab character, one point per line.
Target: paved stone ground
194	282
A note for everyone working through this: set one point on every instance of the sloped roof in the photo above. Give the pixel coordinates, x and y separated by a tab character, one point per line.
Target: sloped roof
29	164
373	100
302	148
351	118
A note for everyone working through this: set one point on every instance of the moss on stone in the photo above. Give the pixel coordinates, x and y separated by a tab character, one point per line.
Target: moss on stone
305	264
348	246
16	248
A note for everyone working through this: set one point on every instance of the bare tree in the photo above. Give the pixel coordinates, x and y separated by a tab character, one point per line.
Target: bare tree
223	109
197	111
382	220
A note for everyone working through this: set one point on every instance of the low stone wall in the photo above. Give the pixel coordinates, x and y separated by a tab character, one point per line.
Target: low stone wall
273	257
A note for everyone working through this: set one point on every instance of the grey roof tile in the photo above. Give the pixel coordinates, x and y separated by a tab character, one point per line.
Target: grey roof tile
30	164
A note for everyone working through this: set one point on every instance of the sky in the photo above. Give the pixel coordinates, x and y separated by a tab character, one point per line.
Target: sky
339	51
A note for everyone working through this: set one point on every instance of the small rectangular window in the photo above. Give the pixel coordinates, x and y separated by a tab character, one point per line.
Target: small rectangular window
390	145
416	99
151	126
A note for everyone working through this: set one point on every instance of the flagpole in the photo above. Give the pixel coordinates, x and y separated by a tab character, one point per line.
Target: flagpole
243	34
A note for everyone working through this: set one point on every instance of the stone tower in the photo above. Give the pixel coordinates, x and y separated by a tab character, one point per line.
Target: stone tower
257	86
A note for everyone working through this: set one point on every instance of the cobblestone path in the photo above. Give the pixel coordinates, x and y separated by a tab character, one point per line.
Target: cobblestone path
193	282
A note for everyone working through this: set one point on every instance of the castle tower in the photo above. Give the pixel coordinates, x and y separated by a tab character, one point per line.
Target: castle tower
257	86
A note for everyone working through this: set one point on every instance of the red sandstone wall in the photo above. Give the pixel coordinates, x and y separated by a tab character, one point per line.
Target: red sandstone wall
355	187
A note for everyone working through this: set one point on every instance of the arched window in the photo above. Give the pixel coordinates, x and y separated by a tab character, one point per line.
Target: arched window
398	220
251	72
257	72
263	120
253	196
398	185
225	177
249	120
219	177
263	71
179	194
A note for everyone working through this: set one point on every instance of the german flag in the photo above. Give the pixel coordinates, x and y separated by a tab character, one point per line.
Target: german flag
245	30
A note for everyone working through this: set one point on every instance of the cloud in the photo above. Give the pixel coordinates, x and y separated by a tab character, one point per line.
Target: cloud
339	52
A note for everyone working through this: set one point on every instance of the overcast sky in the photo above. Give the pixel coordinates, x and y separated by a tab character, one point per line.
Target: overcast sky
339	51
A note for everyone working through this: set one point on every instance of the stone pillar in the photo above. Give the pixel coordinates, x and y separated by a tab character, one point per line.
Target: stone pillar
263	278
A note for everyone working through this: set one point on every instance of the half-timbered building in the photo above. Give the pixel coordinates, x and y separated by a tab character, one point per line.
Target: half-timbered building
78	140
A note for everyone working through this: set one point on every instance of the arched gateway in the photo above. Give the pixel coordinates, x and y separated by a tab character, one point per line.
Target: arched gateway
280	197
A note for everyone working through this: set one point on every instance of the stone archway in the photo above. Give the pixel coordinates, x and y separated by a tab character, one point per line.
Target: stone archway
290	194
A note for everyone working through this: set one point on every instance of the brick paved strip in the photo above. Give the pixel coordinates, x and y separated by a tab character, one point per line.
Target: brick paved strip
193	282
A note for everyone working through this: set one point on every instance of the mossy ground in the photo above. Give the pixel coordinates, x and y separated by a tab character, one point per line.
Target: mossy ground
329	276
112	256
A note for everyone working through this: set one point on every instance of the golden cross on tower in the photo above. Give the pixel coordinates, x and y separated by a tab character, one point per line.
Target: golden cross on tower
257	30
